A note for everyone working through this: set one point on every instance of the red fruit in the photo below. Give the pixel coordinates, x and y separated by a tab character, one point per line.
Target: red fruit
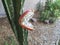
24	20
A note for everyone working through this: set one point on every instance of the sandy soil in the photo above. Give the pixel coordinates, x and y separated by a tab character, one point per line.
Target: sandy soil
44	34
6	32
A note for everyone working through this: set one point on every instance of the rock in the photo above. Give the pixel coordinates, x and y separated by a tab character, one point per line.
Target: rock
51	21
33	20
46	21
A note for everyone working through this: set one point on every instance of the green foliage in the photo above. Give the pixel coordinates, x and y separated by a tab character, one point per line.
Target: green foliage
59	42
12	42
51	10
6	43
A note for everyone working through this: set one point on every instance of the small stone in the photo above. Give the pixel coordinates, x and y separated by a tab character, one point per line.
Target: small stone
51	21
46	21
33	20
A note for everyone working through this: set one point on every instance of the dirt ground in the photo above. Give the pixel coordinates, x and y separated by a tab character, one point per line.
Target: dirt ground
6	33
44	34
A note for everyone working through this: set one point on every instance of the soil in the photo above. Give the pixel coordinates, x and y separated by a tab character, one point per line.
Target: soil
6	33
44	34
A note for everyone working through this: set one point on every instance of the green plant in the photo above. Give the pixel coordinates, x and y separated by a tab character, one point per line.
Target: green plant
59	42
12	41
6	43
14	8
51	11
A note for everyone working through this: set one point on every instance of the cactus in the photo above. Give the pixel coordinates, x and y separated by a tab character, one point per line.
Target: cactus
13	10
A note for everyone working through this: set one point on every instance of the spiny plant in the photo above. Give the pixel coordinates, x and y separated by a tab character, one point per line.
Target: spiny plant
14	9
